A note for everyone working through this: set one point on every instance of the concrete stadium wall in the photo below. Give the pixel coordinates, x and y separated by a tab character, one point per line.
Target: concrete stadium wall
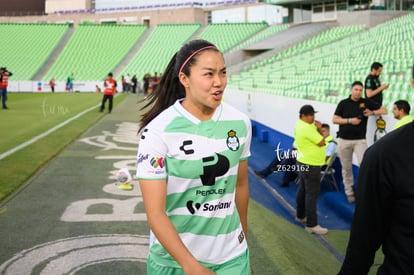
39	86
53	5
370	18
175	16
274	117
22	7
160	16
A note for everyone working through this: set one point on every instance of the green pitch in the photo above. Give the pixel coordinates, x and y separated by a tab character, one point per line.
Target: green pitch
30	115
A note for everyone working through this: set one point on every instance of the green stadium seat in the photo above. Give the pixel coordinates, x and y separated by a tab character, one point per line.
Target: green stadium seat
28	46
95	50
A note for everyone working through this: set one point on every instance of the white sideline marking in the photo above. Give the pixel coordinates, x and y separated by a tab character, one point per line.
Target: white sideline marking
36	138
68	256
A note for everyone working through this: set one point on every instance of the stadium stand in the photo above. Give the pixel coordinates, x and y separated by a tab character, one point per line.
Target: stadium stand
319	68
28	46
271	30
153	56
228	35
158	48
322	67
95	50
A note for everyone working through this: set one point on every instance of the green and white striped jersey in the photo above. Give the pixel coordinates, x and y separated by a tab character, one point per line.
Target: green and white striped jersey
199	161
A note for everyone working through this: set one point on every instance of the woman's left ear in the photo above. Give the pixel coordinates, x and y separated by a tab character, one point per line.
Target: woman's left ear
183	79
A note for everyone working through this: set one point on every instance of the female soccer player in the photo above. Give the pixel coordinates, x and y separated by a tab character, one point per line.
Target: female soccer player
192	169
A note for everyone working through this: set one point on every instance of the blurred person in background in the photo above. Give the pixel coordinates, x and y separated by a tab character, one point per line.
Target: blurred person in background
4	82
401	111
310	143
52	84
109	92
351	115
373	86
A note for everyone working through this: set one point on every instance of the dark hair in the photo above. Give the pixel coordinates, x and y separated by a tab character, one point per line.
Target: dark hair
403	105
376	66
170	88
325	125
357	83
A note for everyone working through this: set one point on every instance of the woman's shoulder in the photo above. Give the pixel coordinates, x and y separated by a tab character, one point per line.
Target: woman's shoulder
230	111
163	119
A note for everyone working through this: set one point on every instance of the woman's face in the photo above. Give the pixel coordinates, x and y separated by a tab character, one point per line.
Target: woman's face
205	85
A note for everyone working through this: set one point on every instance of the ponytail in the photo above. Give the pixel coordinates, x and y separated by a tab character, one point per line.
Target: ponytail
170	88
168	91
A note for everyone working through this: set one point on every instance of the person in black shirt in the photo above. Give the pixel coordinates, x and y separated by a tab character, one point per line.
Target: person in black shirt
384	207
384	203
373	91
351	115
373	86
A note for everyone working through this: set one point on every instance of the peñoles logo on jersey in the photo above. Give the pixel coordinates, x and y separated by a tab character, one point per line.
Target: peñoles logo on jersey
214	166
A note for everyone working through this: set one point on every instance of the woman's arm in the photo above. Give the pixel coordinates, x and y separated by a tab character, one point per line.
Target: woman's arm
154	193
242	193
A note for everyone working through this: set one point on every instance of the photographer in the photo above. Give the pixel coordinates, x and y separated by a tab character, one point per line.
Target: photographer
4	82
351	115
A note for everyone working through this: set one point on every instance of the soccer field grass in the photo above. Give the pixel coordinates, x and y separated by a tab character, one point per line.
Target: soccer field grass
30	115
280	247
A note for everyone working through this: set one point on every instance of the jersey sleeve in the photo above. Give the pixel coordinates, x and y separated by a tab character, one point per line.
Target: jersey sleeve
248	141
152	151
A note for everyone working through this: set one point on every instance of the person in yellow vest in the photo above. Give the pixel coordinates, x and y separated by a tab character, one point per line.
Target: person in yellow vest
401	111
310	157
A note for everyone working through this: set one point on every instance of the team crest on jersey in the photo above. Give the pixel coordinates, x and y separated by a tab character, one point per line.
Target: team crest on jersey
233	142
362	105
